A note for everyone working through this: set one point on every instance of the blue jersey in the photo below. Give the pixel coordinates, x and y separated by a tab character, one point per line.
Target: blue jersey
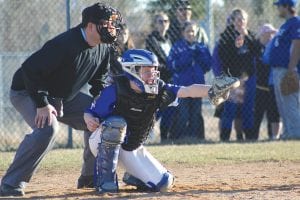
105	104
278	50
189	63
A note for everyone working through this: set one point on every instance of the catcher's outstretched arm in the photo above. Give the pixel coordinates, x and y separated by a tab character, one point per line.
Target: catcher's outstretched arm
194	91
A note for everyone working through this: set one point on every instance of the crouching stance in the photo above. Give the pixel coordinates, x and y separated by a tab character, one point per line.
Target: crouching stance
123	115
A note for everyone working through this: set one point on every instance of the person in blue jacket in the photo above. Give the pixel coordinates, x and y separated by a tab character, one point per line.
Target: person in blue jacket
188	61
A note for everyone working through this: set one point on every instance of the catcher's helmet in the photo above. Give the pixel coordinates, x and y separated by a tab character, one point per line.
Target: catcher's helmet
133	60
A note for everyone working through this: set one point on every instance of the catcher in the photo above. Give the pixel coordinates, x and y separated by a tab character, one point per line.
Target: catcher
123	115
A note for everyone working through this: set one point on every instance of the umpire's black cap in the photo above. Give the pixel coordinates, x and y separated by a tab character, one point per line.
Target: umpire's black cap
97	12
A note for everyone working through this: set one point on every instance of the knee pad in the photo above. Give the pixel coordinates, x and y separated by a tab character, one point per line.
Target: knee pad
113	131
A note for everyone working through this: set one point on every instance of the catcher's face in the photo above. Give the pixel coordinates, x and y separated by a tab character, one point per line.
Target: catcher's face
149	74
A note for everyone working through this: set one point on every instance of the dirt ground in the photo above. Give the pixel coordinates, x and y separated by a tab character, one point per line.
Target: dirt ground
263	180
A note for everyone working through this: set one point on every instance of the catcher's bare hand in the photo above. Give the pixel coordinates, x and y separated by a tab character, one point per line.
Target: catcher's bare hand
289	83
92	122
44	114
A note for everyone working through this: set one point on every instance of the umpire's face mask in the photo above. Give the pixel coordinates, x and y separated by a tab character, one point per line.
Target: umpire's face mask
109	30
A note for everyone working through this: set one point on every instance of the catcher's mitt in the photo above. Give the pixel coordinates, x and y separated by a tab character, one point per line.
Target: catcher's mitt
289	83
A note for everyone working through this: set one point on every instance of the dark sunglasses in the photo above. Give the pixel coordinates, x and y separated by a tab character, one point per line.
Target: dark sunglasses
162	21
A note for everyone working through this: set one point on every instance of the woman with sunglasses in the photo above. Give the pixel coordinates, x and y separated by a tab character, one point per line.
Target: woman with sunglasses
159	43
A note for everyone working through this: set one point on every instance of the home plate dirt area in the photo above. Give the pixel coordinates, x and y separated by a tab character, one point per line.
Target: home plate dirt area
258	180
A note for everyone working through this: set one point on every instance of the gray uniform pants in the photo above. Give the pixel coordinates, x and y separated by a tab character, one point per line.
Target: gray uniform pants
37	144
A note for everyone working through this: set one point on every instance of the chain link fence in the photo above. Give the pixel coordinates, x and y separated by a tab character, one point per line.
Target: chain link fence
27	25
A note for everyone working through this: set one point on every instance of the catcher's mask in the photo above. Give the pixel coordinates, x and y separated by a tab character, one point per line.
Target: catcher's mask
133	62
107	20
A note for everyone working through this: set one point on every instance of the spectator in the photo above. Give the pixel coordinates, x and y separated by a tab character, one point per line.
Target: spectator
265	98
189	60
237	50
159	43
123	43
183	13
217	69
283	54
124	40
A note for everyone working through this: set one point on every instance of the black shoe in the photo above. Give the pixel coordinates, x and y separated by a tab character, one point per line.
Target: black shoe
85	182
240	137
140	185
225	135
7	190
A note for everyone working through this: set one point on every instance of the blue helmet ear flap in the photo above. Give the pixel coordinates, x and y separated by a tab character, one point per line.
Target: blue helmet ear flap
138	83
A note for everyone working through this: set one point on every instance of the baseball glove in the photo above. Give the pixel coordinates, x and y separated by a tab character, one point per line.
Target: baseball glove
289	83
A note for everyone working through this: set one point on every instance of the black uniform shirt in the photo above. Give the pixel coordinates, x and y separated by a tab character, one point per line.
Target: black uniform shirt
62	67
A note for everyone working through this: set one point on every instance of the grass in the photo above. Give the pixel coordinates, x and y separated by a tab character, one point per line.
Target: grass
191	155
229	153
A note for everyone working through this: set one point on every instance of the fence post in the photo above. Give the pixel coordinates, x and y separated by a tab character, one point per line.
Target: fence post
210	21
1	95
68	23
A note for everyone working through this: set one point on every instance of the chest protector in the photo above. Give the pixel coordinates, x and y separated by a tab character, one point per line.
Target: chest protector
138	110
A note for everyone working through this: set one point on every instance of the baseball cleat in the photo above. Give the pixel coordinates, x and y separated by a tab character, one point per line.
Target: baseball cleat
110	187
85	182
7	190
133	181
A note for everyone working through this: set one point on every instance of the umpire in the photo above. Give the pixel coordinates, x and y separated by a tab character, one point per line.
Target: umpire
283	54
46	89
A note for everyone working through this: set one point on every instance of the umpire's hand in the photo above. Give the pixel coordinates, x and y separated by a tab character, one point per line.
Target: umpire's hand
45	114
